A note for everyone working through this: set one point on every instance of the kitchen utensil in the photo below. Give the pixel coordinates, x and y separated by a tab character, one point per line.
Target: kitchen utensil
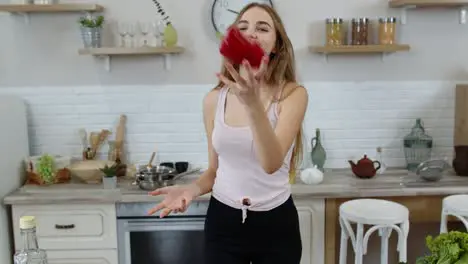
364	168
149	166
84	141
158	176
235	47
167	164
119	137
181	166
432	170
97	139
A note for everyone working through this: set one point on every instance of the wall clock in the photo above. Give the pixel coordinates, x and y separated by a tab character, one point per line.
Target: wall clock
224	12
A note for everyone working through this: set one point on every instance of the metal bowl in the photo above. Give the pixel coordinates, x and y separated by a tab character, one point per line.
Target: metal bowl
432	170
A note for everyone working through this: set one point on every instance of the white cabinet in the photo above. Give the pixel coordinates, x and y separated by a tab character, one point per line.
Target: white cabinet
312	227
72	233
87	233
82	257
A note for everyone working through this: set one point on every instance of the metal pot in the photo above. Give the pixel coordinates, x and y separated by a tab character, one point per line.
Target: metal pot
150	178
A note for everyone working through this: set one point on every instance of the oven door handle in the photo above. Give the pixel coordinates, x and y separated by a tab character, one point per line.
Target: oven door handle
163	225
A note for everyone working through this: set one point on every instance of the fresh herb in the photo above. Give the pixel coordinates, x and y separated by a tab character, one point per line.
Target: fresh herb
446	248
91	22
161	11
111	171
46	168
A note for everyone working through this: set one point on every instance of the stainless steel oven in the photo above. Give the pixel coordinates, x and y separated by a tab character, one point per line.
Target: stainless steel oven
176	239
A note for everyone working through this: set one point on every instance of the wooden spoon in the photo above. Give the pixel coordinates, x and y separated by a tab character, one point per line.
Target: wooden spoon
151	160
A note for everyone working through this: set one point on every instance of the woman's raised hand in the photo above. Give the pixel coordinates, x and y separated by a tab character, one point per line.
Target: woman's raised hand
246	89
176	199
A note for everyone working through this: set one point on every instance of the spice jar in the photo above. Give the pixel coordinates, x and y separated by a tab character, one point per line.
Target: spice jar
387	26
359	31
335	31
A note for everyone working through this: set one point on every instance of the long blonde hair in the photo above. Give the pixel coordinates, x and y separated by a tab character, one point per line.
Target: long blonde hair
281	71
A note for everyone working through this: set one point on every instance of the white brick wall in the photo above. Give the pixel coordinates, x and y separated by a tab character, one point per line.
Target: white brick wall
354	118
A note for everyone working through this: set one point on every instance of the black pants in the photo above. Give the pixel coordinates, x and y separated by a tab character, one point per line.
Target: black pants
270	237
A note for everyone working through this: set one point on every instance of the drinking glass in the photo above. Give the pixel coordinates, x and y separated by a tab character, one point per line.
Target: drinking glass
144	29
132	27
158	31
123	32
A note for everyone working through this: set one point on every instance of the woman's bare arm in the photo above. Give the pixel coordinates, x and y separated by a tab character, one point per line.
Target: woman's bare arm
206	180
271	144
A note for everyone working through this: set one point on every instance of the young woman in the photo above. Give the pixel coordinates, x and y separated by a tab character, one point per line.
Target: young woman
253	121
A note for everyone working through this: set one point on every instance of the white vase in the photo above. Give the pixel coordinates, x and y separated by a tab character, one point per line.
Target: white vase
109	182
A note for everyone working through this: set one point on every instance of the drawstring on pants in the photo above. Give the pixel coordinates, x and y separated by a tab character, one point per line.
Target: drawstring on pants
245	206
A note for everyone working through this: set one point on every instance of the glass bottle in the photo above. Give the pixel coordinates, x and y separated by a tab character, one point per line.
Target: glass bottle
417	146
111	155
30	253
383	166
318	154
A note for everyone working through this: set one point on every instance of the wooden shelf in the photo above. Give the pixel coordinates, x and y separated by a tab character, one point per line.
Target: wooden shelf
107	52
346	49
427	3
411	4
112	51
55	8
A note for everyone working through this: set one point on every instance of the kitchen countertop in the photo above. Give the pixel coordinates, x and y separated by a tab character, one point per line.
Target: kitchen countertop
338	183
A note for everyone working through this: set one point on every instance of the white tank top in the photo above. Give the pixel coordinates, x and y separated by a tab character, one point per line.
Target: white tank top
239	175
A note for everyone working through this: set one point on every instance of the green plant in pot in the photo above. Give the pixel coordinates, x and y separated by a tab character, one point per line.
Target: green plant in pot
109	180
446	248
91	31
170	33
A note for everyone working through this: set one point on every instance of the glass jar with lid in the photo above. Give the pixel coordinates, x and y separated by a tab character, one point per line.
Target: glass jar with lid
417	146
360	31
387	28
335	31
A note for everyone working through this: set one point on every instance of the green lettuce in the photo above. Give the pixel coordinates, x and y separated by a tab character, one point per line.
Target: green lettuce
446	248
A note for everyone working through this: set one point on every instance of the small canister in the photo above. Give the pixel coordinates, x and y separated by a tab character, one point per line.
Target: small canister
335	31
360	31
387	28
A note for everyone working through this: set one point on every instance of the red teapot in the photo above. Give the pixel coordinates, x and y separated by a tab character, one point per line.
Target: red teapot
235	47
364	168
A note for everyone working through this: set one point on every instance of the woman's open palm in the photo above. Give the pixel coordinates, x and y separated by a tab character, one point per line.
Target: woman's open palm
176	199
246	89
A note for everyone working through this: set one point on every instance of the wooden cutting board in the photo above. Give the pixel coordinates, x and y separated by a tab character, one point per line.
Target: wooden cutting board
460	136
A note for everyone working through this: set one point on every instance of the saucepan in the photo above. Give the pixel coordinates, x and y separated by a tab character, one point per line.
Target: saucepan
149	178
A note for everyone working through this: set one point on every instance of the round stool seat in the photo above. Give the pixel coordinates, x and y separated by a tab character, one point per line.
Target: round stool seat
374	212
456	203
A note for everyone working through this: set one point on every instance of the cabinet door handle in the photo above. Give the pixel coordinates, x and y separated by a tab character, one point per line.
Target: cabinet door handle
65	226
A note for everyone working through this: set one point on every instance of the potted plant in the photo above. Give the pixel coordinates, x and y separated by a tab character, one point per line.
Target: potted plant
446	248
109	180
91	30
